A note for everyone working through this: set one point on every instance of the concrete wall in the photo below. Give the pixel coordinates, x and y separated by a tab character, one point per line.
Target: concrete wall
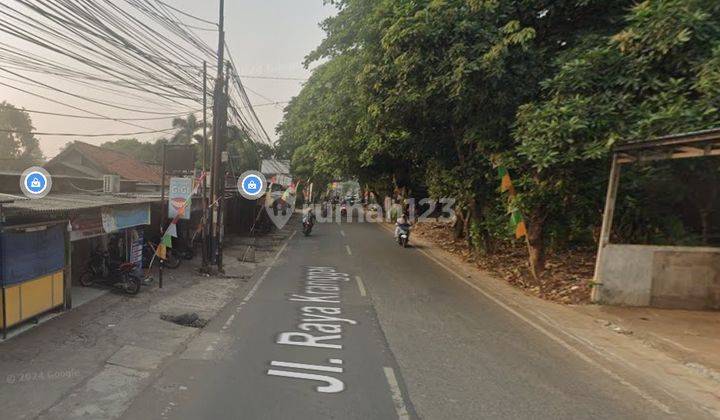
660	276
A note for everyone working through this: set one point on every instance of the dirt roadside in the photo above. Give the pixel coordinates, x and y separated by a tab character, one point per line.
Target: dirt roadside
618	341
91	362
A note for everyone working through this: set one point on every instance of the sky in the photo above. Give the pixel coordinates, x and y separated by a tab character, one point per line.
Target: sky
268	38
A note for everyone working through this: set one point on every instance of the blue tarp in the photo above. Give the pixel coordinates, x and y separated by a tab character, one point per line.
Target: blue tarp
29	255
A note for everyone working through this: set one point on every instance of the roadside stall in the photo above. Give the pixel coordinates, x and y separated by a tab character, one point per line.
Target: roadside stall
32	271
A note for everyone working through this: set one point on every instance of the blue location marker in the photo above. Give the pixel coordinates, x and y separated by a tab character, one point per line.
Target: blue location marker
35	182
251	185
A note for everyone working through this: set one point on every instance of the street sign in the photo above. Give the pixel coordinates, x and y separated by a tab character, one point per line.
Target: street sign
252	184
35	182
179	159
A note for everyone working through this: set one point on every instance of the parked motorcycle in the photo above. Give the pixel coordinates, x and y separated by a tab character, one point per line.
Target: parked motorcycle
102	270
403	235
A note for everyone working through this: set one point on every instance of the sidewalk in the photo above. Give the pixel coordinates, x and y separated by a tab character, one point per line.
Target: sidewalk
677	352
90	362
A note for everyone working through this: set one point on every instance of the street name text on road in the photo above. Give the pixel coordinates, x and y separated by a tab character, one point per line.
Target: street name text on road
320	327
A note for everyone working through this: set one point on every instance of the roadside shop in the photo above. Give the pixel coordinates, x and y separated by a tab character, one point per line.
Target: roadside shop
45	244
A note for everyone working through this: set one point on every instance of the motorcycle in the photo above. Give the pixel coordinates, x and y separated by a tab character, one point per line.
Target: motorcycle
102	270
307	225
403	235
343	210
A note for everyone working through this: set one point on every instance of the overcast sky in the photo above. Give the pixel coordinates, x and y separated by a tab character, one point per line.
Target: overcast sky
266	37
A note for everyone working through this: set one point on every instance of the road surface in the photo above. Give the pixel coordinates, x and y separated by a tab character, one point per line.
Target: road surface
345	324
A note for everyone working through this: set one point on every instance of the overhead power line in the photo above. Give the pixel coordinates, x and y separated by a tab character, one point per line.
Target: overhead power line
300	79
38	133
87	117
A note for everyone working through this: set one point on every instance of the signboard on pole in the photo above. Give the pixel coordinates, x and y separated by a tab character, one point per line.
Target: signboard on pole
180	190
179	159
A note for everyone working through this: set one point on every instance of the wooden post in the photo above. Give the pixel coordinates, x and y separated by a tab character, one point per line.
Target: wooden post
67	281
607	222
205	250
163	216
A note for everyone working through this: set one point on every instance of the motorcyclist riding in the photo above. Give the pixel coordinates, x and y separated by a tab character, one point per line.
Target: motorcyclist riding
402	227
308	221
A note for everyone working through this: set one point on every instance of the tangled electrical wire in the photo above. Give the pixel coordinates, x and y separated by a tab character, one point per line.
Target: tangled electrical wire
104	57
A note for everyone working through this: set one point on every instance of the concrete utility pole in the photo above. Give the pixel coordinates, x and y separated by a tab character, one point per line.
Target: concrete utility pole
218	134
204	169
221	170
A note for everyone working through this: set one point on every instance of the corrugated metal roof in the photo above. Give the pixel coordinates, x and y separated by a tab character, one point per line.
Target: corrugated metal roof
274	167
68	202
9	198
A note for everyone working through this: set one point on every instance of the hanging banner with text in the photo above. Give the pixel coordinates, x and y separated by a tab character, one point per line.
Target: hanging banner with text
180	190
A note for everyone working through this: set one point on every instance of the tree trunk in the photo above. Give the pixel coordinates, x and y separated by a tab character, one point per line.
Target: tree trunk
536	243
459	226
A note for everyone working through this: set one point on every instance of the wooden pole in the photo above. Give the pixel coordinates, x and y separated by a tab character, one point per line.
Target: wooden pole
204	169
163	217
217	131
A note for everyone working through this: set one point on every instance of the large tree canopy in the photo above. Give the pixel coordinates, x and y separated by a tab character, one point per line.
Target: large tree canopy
17	140
432	94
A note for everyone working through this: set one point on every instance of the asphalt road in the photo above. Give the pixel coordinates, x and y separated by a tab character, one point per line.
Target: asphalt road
345	324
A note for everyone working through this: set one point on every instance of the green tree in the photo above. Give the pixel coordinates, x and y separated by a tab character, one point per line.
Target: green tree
150	151
652	75
17	140
189	129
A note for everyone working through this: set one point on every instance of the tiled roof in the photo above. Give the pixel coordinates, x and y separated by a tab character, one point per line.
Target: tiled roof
119	163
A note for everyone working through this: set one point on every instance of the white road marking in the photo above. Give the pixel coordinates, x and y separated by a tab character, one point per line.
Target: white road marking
347	248
361	286
252	291
554	337
342	233
396	394
228	322
306	366
255	287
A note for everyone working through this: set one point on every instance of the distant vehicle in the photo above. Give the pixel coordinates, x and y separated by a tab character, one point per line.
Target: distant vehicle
308	222
403	234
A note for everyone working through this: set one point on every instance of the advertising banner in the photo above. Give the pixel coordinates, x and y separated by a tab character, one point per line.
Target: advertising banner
180	190
114	219
86	225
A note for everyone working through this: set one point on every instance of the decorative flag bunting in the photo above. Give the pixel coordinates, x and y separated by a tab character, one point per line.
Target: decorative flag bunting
516	219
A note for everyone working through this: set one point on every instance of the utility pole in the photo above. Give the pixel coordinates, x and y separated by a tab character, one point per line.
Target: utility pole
221	172
218	104
204	169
